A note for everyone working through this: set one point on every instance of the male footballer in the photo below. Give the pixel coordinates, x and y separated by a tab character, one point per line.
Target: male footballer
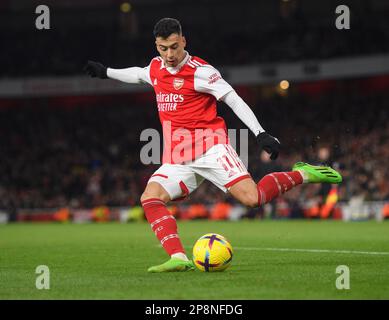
196	145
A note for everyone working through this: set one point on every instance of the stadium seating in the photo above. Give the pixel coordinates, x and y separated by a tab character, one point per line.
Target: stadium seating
89	156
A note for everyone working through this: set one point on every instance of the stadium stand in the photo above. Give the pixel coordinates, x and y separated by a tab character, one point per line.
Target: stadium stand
82	156
297	30
83	152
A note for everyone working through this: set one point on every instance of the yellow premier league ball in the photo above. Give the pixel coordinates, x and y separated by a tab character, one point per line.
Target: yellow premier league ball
212	252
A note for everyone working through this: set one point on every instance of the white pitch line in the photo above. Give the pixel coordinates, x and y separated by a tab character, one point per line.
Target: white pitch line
383	253
313	250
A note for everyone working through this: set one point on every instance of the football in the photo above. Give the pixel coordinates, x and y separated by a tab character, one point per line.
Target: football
212	252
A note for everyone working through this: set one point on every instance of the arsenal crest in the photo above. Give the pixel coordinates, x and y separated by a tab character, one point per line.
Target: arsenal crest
178	83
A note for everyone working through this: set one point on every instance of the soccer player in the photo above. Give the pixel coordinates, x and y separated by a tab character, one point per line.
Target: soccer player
196	144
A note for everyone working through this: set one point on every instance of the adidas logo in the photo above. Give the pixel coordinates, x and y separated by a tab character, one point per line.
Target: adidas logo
155	82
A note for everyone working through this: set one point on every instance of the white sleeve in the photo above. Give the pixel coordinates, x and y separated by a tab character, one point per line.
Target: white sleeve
130	75
209	80
243	111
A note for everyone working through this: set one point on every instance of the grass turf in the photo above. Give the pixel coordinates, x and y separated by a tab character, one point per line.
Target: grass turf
109	261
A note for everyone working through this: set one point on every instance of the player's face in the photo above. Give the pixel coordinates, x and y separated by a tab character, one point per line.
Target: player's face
171	49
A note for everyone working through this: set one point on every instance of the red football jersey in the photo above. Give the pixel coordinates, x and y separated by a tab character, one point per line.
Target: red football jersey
186	99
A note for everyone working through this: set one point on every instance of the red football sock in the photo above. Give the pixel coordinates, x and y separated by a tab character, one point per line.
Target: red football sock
163	224
274	184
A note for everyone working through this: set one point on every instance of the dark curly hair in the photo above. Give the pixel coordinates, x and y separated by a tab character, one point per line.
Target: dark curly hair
167	26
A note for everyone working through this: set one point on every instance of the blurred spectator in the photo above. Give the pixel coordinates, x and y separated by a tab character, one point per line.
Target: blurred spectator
293	32
89	156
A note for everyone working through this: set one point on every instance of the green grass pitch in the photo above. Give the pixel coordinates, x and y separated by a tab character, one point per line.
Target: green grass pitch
109	261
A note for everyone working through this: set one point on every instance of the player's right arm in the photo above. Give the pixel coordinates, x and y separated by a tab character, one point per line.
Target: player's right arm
129	75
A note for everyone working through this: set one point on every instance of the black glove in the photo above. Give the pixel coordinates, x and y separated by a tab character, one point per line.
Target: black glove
270	144
96	69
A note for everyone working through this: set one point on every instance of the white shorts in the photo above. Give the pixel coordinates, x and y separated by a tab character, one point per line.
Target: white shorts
219	165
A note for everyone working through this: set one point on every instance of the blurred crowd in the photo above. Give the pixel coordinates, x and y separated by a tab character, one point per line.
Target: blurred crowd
84	157
287	33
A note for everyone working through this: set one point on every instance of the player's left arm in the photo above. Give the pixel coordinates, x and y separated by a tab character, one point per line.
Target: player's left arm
209	80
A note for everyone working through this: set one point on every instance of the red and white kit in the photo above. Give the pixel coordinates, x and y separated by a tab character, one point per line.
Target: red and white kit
196	143
195	139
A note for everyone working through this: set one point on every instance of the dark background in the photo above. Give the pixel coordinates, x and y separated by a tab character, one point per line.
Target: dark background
82	150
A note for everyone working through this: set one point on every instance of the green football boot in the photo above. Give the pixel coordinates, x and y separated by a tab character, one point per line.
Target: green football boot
318	174
173	265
